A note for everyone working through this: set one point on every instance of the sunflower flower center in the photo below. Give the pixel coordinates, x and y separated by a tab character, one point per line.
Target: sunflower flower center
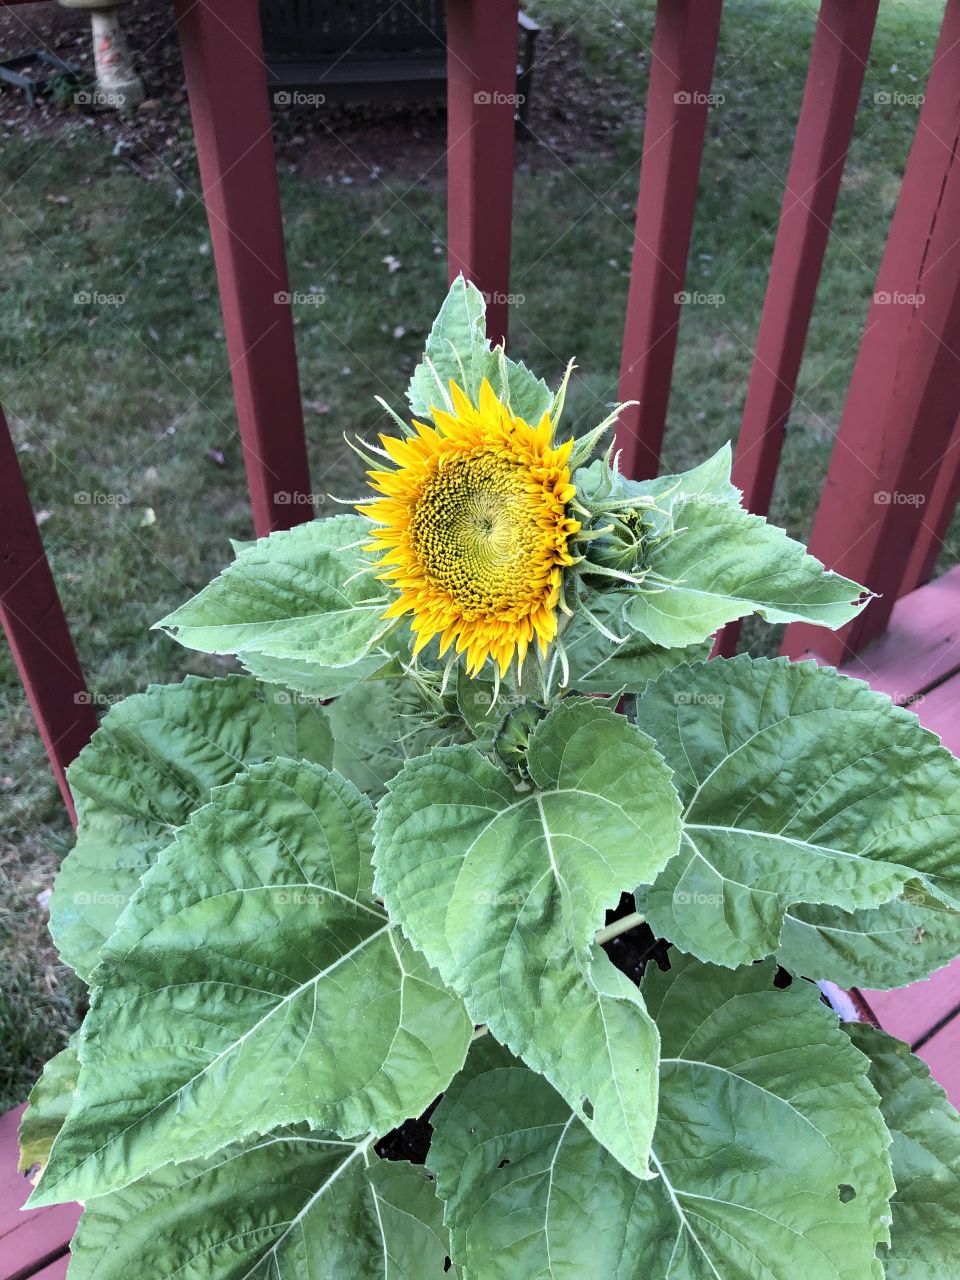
476	532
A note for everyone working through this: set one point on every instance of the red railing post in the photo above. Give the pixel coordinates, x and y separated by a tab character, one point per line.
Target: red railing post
227	86
904	396
936	516
36	628
838	60
684	48
481	106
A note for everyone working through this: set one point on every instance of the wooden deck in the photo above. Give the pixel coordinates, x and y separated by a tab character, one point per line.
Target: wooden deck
917	662
34	1243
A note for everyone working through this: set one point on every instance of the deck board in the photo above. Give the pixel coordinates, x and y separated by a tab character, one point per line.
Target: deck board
917	663
36	1239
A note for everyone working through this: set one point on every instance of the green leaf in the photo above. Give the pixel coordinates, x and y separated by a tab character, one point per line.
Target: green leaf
50	1100
503	890
724	563
292	1205
925	1156
800	786
305	593
597	665
312	680
709	480
770	1149
154	759
458	349
377	728
253	982
889	946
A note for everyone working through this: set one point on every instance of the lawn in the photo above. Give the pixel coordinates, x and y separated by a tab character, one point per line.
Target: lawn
131	403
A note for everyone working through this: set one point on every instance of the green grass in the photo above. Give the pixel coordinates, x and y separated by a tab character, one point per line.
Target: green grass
128	400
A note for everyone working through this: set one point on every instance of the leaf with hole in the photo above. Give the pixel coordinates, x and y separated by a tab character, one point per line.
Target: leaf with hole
771	1154
503	888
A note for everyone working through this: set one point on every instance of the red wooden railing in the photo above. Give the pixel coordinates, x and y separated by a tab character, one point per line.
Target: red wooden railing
900	431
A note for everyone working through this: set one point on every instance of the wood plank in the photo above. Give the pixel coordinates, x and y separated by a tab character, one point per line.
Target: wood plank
904	396
33	1239
681	71
55	1271
942	1056
910	1013
937	515
227	87
919	650
838	60
36	627
481	107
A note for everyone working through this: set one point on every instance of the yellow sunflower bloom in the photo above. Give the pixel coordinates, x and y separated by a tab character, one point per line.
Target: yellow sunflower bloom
473	529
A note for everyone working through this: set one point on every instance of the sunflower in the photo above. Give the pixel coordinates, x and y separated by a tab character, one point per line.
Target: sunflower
473	529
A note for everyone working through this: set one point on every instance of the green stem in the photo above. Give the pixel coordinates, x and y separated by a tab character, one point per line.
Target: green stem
623	925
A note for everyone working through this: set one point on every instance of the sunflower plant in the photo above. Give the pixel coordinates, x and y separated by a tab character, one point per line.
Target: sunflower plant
476	771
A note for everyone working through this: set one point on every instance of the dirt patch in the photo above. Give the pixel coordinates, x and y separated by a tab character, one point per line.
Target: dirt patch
571	114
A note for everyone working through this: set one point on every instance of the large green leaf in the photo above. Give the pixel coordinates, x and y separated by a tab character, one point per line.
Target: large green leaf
926	1159
800	786
154	759
311	680
598	665
50	1100
306	593
503	888
376	728
770	1149
252	982
709	480
458	349
724	563
889	946
291	1206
